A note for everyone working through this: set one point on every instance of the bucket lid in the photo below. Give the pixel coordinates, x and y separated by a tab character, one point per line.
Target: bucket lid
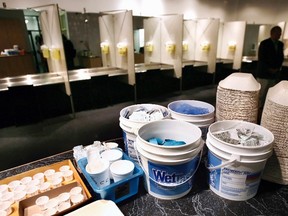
240	81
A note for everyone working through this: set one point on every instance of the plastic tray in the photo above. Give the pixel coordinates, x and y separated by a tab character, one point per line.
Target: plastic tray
116	191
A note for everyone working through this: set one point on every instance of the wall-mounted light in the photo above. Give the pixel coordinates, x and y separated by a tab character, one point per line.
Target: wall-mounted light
205	46
122	48
45	51
104	47
149	46
170	47
184	45
232	46
55	53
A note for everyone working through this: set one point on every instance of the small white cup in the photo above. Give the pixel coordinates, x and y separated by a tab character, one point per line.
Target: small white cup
68	175
56	182
44	187
20	188
77	198
49	174
39	176
52	203
57	175
64	168
64	197
34	182
26	180
42	201
93	154
76	190
112	155
63	206
6	207
7	197
13	184
99	172
50	211
18	196
4	188
32	190
121	169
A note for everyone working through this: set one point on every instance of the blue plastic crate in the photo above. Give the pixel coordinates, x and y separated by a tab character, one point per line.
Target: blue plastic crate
116	191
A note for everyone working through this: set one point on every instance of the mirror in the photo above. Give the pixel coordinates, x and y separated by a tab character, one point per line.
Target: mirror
84	33
15	45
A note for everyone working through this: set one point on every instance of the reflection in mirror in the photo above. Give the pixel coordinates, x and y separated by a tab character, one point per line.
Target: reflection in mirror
35	39
84	34
83	29
15	45
138	28
251	40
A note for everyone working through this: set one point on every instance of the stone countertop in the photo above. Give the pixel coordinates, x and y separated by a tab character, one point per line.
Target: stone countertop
271	198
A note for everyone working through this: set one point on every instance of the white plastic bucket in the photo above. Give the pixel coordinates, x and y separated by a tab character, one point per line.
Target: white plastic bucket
130	127
169	170
235	171
203	120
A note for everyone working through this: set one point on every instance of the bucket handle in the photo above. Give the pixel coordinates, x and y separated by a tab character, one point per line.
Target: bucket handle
165	185
130	129
233	159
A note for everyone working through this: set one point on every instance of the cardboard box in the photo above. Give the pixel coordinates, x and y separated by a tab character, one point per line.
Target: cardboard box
28	207
18	208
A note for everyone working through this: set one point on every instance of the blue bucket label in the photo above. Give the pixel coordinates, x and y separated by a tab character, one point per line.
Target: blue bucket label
173	176
129	145
236	183
125	142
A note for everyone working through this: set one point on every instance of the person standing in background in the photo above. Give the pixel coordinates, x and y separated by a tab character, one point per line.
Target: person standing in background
70	52
270	60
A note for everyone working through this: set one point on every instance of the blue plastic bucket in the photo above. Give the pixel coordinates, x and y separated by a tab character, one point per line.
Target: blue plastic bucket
169	170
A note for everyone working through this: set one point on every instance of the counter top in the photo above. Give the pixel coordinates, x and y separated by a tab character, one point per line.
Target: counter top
142	68
271	198
54	77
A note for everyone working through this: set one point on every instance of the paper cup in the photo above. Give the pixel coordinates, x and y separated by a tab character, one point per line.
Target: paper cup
7	197
4	188
68	175
21	195
63	206
77	198
76	190
99	172
6	207
64	197
26	180
41	202
92	155
121	169
45	187
40	177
